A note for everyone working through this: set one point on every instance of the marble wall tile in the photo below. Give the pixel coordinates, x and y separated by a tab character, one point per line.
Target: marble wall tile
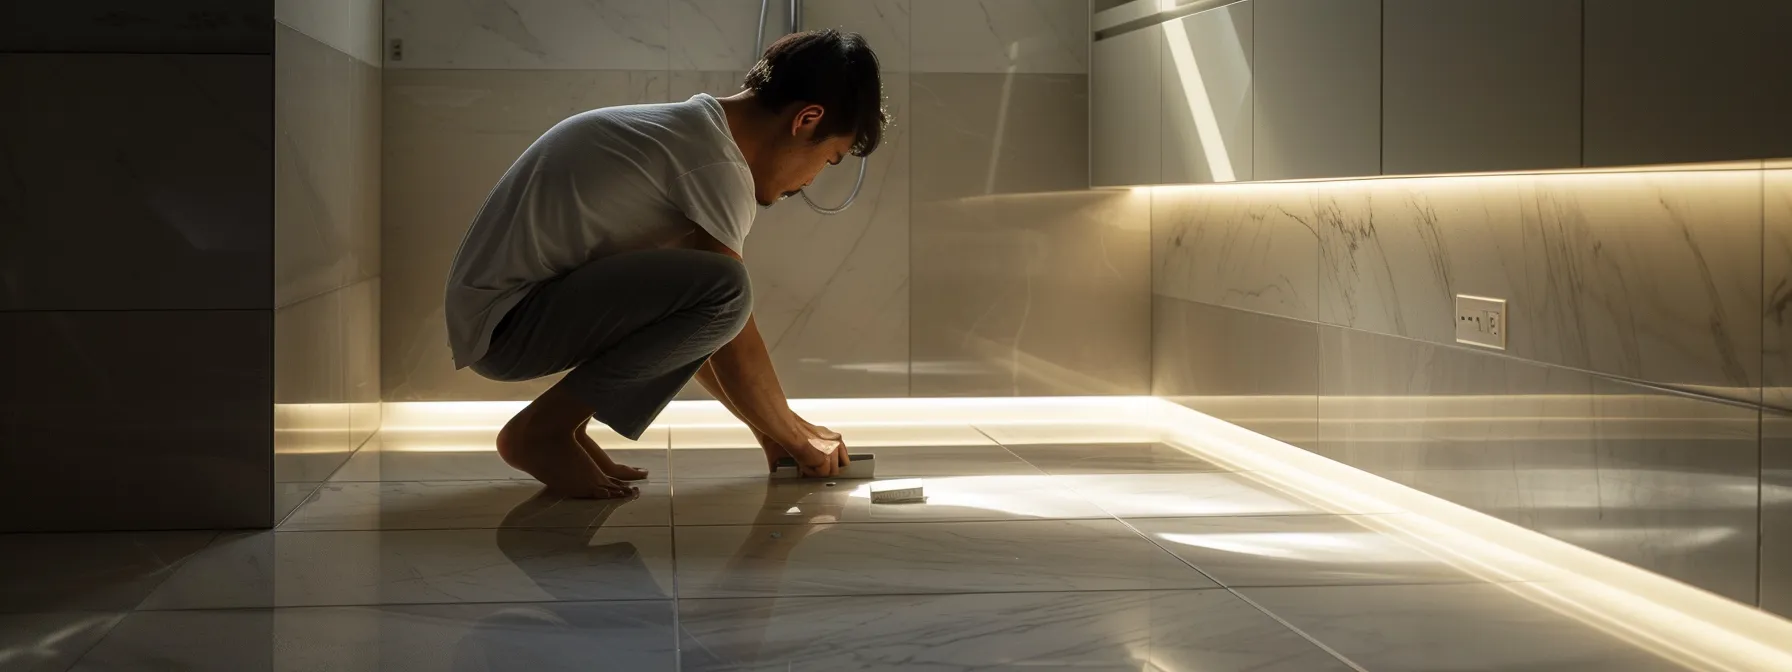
1393	253
1037	294
1679	497
883	23
1016	289
981	134
183	426
167	207
1255	371
326	168
1776	288
831	293
1000	36
326	387
723	34
1776	428
448	137
311	409
1023	282
1660	480
530	34
349	26
1255	248
361	327
1651	276
133	27
1776	513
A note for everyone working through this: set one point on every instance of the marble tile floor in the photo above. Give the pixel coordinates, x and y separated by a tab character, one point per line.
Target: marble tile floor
425	552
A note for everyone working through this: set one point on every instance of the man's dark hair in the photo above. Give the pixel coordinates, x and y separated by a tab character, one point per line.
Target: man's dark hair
835	70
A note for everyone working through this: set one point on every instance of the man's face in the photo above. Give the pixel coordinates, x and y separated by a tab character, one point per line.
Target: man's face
797	159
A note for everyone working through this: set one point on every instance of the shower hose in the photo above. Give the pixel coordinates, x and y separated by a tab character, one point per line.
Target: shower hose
796	12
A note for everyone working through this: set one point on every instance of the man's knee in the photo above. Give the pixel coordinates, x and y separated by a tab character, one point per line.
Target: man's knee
731	293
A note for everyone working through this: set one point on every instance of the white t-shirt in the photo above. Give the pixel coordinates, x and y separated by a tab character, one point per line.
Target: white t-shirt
600	183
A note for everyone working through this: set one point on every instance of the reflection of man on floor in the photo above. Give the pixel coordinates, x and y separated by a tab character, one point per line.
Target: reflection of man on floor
584	626
611	251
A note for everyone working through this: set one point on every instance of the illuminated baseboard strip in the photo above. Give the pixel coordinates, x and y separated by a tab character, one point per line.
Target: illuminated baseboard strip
490	415
1674	620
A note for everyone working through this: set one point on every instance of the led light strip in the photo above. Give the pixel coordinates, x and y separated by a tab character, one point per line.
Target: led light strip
1674	620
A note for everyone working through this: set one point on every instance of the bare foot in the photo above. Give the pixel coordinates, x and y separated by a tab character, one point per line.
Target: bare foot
556	459
620	472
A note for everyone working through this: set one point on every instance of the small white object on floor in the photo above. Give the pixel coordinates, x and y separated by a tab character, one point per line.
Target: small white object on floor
894	492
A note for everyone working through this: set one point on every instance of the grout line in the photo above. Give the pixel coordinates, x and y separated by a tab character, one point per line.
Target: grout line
73	533
75	662
1503	356
377	605
1761	416
1290	626
1067	591
1583	83
1005	448
908	231
526	528
175	569
27	311
801	596
326	481
672	550
1105	515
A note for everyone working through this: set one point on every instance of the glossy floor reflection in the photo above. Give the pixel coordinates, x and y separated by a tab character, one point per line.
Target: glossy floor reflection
1035	549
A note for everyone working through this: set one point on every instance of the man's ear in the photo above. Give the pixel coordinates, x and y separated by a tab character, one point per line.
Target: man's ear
808	117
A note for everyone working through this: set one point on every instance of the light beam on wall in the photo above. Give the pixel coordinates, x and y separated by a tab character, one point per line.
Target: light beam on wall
1200	106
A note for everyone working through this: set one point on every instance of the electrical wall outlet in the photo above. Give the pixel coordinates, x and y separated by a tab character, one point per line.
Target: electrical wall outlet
1481	321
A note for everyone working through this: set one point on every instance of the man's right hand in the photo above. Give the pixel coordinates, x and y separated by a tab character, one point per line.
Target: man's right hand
819	453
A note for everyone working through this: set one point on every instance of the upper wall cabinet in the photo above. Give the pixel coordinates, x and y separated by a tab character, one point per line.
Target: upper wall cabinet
1207	96
1257	90
1126	144
1317	73
1673	81
1480	85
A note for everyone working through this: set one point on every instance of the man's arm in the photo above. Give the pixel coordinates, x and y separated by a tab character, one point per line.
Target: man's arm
743	369
742	377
